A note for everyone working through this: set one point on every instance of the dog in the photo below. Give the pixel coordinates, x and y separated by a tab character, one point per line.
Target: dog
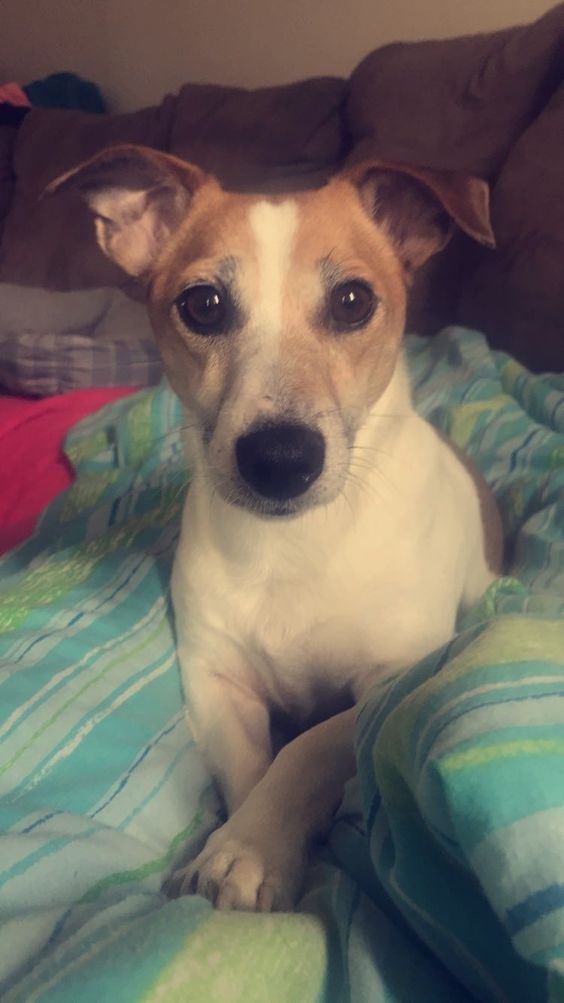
329	534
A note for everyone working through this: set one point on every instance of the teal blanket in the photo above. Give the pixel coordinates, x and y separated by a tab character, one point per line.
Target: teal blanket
443	876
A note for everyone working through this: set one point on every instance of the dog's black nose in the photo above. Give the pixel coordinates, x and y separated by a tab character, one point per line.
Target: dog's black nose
280	461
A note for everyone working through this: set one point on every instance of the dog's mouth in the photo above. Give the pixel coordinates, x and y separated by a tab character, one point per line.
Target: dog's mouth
265	508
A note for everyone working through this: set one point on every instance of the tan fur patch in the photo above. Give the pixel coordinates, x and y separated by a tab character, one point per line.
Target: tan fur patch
316	367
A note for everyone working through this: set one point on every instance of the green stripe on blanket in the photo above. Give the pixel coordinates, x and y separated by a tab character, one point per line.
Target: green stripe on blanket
453	765
443	878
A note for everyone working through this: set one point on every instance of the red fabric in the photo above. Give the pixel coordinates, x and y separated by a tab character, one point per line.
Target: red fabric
13	94
33	467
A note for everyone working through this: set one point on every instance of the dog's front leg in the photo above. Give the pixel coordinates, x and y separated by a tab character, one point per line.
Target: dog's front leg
256	861
231	725
232	728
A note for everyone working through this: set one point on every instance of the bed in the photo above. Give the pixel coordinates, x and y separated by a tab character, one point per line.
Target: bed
442	879
443	875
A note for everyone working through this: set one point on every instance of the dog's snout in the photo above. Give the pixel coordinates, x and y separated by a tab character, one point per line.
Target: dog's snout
280	461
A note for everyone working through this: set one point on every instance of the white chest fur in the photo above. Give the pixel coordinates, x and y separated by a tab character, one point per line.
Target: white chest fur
338	595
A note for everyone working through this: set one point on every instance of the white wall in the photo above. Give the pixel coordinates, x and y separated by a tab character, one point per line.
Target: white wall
137	50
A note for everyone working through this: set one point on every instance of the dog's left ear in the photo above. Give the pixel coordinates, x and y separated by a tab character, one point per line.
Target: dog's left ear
138	197
418	208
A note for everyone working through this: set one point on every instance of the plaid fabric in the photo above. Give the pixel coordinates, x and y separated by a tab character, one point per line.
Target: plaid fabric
53	342
42	365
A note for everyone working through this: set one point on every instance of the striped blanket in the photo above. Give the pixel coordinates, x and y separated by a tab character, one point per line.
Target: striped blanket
443	876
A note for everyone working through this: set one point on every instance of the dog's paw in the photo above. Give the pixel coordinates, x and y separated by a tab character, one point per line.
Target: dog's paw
235	873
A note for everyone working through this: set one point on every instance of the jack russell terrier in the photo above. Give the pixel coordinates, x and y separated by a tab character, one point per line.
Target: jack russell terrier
329	534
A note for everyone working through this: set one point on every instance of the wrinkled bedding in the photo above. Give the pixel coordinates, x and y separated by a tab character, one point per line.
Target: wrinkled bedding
443	877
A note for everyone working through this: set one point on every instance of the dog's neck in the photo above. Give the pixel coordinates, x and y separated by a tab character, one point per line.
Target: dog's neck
379	455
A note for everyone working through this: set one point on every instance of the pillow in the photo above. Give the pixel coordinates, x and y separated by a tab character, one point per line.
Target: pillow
53	342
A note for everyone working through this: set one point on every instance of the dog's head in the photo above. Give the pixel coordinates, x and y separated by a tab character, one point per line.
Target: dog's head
279	319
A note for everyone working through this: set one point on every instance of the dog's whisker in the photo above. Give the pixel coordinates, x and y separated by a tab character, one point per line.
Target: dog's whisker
346	499
355	472
384	478
355	448
362	463
176	431
326	413
397	414
361	485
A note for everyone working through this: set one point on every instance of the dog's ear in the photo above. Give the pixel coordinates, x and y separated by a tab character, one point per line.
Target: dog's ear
418	208
138	197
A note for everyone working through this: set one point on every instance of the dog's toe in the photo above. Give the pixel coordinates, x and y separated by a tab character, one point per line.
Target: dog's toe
179	883
241	880
234	875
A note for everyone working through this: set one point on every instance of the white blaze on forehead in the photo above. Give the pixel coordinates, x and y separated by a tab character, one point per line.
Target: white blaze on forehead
274	227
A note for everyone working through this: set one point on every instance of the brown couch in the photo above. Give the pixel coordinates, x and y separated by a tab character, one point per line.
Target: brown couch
490	104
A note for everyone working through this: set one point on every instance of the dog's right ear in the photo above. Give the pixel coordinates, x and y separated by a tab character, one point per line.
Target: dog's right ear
138	197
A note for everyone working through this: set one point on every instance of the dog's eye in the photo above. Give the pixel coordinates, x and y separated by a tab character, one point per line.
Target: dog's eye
203	309
352	304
